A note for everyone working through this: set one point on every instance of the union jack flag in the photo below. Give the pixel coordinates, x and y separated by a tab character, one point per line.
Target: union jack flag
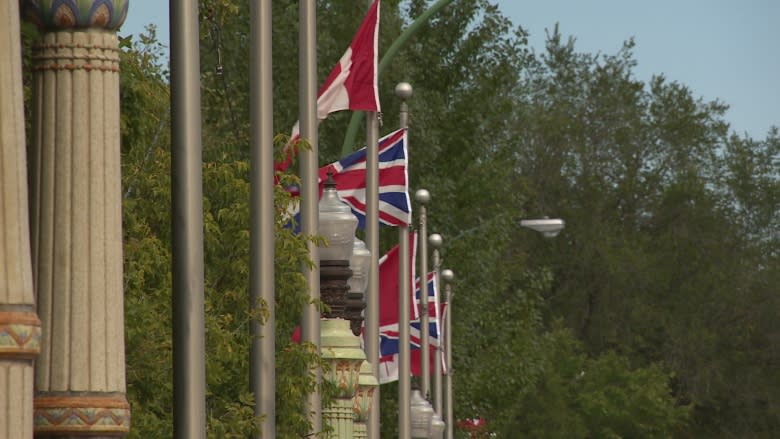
349	174
388	330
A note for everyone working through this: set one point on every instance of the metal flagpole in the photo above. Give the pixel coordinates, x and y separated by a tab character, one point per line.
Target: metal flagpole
424	197
404	353
435	241
448	277
189	370
404	91
310	324
262	360
371	335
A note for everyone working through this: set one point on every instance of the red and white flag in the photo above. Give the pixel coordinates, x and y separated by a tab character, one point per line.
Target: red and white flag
353	82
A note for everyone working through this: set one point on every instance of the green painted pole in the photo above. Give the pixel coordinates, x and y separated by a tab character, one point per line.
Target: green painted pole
357	116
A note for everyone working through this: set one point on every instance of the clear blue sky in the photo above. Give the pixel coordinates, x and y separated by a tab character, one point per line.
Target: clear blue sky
722	49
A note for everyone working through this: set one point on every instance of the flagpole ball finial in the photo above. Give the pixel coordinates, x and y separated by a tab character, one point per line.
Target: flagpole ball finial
435	240
447	275
422	196
403	90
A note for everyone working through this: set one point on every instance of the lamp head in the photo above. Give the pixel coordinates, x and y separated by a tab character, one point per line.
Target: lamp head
549	227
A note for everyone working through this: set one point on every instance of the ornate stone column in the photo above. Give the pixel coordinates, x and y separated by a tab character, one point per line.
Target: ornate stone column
76	211
20	329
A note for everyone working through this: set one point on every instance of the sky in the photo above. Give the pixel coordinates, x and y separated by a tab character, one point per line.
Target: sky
727	50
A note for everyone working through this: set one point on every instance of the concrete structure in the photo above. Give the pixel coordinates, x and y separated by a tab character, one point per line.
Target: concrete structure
76	218
20	329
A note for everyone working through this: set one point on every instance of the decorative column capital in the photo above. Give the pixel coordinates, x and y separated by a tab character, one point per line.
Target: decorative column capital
57	15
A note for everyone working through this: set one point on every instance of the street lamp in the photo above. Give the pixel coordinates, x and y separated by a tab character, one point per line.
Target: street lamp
422	414
338	344
358	263
549	227
437	426
337	224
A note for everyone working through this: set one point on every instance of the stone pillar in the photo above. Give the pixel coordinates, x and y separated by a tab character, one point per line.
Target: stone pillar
20	329
367	385
76	211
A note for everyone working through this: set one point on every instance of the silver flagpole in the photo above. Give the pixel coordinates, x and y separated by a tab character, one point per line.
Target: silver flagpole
404	353
372	242
448	277
262	360
435	240
310	325
371	336
404	91
189	370
424	197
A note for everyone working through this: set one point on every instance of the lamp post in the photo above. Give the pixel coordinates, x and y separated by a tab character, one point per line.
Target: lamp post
338	345
549	227
422	415
356	300
448	277
424	197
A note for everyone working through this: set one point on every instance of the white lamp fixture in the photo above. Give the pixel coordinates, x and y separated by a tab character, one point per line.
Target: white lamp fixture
437	426
549	227
337	224
358	263
422	413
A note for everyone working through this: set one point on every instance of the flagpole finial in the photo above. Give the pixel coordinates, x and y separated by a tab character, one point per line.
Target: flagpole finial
435	240
447	275
403	90
422	196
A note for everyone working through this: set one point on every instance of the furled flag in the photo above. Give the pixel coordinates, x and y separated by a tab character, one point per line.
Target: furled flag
433	312
436	347
434	326
388	308
388	362
389	334
352	84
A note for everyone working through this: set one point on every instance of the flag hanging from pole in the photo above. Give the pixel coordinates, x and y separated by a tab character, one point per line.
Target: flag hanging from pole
349	173
388	308
434	326
353	82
